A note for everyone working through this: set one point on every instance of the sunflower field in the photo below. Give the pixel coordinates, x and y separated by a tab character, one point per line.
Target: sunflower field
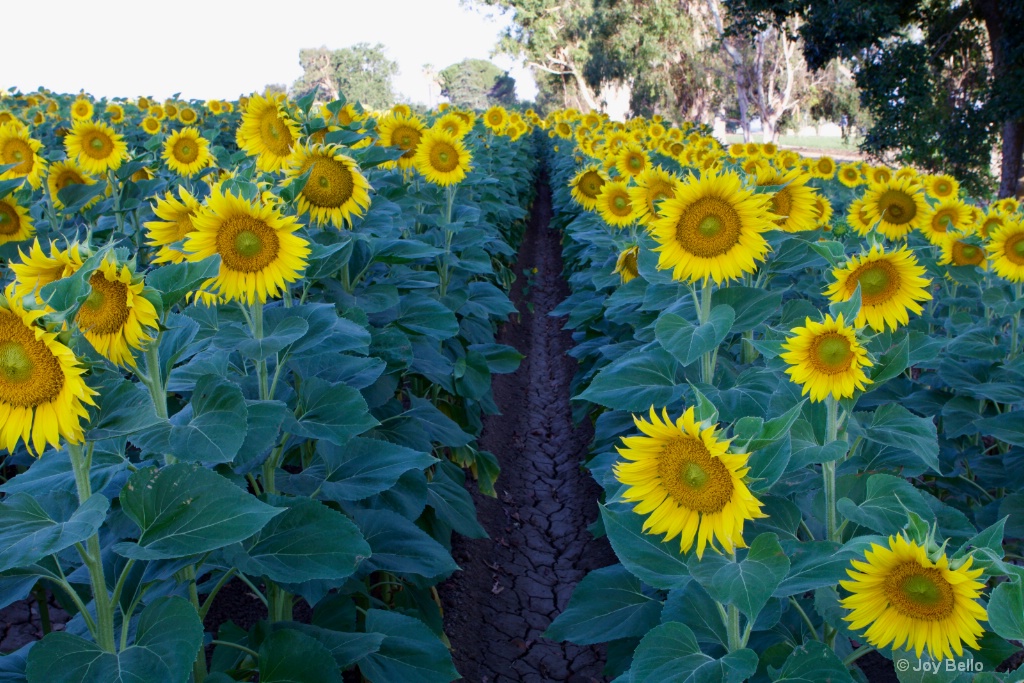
247	341
807	383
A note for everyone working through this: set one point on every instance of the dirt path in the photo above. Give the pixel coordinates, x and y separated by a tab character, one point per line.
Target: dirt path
515	583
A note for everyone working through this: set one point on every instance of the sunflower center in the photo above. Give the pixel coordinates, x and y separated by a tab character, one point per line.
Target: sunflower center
693	477
10	222
17	152
106	310
590	184
247	244
782	203
965	254
708	228
636	163
878	282
897	207
944	220
831	354
1015	249
406	138
29	372
444	157
99	146
942	188
333	184
620	204
919	592
274	134
185	151
68	178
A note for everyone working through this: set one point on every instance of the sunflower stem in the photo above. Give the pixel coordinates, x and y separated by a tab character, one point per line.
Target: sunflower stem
199	664
115	192
1015	323
828	469
449	192
733	629
709	359
857	654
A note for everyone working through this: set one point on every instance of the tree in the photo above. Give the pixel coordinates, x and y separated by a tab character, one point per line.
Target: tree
362	73
477	84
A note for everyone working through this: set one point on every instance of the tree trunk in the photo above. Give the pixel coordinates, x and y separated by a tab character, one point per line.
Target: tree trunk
991	12
738	72
1013	152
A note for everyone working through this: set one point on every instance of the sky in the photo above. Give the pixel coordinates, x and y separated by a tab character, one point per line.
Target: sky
219	49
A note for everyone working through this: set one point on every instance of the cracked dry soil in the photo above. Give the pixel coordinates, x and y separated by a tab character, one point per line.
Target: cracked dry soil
513	584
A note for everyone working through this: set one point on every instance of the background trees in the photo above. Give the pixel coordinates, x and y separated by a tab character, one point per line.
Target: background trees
362	72
477	84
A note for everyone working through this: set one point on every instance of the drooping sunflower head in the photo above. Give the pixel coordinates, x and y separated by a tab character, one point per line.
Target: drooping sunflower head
793	201
897	206
892	284
442	159
335	190
941	186
905	599
258	247
626	264
826	359
82	110
186	152
20	149
267	132
15	223
682	475
37	268
962	249
63	174
712	229
850	175
586	185
615	205
174	225
631	160
403	132
653	187
1006	250
42	393
96	147
947	216
116	319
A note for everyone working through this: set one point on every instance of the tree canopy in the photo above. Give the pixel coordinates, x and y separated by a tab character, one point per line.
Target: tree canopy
362	73
477	84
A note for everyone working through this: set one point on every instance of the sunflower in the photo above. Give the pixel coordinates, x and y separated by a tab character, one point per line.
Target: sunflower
793	202
897	206
962	249
712	229
495	119
151	125
683	476
96	147
15	223
335	190
877	175
826	359
822	212
258	248
903	596
215	107
82	110
441	158
453	124
891	283
116	318
267	132
850	175
1006	205
174	225
947	215
653	186
858	218
115	112
17	147
824	168
171	109
941	186
36	269
1006	250
63	174
188	116
186	152
586	185
614	204
42	393
626	265
157	112
631	160
991	223
403	132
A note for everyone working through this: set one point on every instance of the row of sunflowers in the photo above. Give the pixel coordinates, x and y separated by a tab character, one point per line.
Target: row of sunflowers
247	344
807	388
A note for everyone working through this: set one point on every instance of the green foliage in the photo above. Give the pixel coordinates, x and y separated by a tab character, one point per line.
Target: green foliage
477	84
363	73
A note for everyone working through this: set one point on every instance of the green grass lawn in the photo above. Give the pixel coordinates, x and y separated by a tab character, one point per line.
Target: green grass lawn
809	142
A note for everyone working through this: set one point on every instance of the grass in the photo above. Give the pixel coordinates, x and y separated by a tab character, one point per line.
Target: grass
808	142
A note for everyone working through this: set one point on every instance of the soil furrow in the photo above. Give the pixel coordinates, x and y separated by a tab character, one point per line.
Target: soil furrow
515	583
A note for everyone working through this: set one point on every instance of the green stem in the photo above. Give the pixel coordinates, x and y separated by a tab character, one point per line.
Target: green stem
803	615
154	381
857	654
709	359
1015	323
445	274
44	607
733	628
261	365
199	664
213	593
252	653
115	192
256	591
828	469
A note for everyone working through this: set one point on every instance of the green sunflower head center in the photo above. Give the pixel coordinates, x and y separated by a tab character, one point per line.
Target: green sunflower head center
832	353
874	281
323	182
919	592
694	476
15	363
970	251
95	299
18	156
248	243
620	203
1018	248
897	207
96	144
636	163
710	226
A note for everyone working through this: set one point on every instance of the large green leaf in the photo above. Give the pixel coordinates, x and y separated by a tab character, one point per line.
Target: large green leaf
335	412
669	653
176	280
410	651
451	501
886	504
894	426
749	583
123	408
53	473
1006	610
1008	427
419	314
813	564
636	381
814	662
212	427
752	305
658	564
185	510
364	467
238	337
33	527
346	648
608	604
688	342
400	546
288	656
167	638
695	608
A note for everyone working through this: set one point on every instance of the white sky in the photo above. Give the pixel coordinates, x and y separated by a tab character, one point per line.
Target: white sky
209	49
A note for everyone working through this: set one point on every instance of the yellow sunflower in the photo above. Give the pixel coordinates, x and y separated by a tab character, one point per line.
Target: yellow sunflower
826	359
631	160
824	168
17	147
948	215
495	119
174	225
793	202
151	125
896	207
586	185
63	174
186	152
850	175
653	186
991	223
441	158
891	284
15	223
157	112
941	186
908	600
858	218
1006	251
626	265
453	124
614	204
96	147
962	249
36	269
1006	205
712	229
258	248
42	393
403	132
683	476
267	132
188	116
877	175
82	110
115	112
116	318
171	109
335	190
822	212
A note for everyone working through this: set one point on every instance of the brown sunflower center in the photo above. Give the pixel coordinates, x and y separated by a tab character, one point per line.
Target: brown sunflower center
18	152
274	134
185	151
897	207
105	311
694	478
10	221
830	353
98	145
966	254
619	205
247	244
590	184
943	220
824	166
1015	249
444	157
942	188
68	177
918	592
708	228
782	204
29	372
879	281
330	183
